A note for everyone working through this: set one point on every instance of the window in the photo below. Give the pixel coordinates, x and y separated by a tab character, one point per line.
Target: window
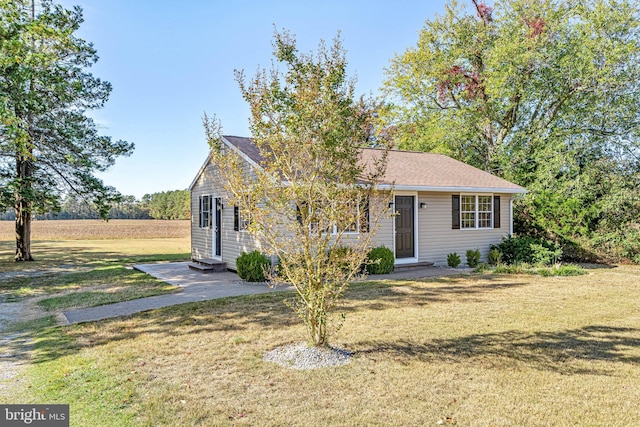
476	211
205	211
361	211
240	223
468	212
484	211
346	226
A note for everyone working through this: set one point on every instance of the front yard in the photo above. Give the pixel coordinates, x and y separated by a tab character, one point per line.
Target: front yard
481	350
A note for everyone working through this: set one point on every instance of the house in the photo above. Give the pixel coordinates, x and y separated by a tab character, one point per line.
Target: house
441	205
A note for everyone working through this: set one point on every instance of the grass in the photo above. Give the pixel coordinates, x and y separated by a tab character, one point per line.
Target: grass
107	284
81	272
484	350
523	268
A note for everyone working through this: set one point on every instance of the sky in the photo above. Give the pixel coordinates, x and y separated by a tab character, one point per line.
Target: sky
170	62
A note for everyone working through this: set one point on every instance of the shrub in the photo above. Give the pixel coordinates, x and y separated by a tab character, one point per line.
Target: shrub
453	260
252	266
511	269
494	257
380	260
473	258
483	267
519	249
524	268
568	270
562	270
542	255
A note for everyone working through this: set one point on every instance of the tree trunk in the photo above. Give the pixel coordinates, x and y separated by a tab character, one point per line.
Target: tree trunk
23	211
23	234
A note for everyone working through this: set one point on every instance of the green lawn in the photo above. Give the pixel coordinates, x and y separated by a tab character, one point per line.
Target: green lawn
481	350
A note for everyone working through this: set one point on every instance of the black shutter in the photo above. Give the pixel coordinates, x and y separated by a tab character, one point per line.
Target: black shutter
455	212
236	218
298	214
496	211
366	217
200	211
210	212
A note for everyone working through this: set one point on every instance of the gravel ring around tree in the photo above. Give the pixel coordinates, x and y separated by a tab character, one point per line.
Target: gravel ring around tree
301	356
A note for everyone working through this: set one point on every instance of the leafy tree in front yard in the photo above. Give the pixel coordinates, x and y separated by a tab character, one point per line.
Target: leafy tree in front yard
543	93
48	144
311	196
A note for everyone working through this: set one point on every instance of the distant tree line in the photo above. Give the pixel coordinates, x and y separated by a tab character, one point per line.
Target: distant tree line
164	205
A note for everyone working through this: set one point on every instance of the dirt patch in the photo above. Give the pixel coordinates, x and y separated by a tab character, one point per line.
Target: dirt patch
15	347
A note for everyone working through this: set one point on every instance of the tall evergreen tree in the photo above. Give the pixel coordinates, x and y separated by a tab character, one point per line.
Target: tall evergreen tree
48	143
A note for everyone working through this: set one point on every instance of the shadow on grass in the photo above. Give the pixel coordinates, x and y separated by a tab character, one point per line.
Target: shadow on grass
560	352
237	314
233	314
385	294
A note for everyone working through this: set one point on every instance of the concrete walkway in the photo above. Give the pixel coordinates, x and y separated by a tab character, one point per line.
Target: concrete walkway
196	286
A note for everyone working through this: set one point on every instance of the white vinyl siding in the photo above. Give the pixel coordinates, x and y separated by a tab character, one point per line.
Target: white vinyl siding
437	239
233	243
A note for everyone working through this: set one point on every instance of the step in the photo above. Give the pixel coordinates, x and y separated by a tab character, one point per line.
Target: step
413	266
207	265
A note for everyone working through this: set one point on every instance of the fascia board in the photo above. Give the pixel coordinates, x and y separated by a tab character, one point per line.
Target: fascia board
451	189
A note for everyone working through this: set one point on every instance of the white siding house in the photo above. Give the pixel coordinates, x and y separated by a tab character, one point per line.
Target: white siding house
441	206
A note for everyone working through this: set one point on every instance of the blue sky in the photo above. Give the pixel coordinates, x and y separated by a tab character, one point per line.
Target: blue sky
169	62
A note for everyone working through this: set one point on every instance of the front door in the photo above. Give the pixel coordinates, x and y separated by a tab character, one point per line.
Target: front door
217	232
404	227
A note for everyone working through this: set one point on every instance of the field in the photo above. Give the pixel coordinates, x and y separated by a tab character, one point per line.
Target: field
476	350
97	230
73	244
87	263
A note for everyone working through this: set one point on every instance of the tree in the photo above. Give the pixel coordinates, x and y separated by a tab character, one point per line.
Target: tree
48	143
174	204
543	93
311	191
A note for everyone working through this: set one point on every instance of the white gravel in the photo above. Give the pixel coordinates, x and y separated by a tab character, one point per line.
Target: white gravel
301	356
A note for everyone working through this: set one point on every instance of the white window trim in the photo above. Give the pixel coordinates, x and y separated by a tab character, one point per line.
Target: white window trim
208	210
334	227
243	223
476	211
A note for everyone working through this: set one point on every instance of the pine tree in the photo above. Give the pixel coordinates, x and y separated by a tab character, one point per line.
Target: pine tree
48	143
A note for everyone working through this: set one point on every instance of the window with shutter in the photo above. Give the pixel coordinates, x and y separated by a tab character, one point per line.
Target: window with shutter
455	212
365	216
473	211
236	218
